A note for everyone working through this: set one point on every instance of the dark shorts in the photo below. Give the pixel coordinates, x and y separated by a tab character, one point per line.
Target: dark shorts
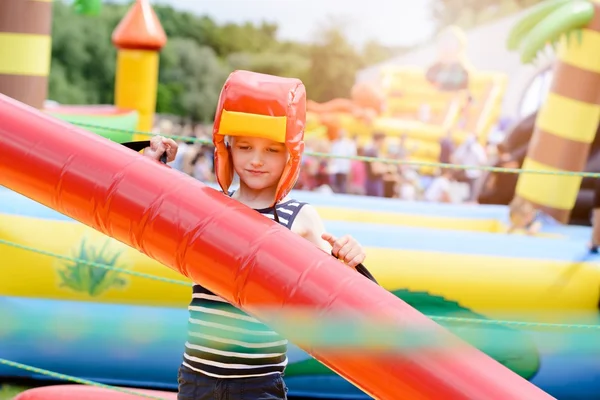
196	386
374	188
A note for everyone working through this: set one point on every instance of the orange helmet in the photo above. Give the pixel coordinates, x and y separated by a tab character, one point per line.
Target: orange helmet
266	106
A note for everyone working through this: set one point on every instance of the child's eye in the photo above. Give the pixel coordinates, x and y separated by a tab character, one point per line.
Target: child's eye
274	150
243	147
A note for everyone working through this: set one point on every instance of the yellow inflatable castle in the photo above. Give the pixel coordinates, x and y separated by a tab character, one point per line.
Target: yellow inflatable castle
419	106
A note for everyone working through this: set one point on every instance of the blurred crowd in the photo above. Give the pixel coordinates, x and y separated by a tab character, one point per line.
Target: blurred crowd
344	173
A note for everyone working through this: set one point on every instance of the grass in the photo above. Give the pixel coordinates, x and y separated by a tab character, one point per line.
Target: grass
8	392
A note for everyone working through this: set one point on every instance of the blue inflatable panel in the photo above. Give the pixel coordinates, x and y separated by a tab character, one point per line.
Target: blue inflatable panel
14	203
117	345
143	346
570	248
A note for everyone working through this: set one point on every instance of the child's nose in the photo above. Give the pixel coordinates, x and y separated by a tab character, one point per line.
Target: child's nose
256	161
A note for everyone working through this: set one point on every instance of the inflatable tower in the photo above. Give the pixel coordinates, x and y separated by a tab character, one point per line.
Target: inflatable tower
25	29
567	122
139	37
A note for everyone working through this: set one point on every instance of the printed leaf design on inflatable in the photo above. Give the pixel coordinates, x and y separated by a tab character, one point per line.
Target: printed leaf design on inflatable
546	23
508	346
307	368
83	277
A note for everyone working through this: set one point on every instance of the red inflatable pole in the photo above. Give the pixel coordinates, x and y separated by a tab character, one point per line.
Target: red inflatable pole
235	252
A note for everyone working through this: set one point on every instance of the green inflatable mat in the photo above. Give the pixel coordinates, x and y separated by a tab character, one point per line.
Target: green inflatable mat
119	123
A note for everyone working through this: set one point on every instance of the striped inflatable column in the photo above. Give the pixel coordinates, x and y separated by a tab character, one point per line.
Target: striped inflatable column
25	44
566	125
139	37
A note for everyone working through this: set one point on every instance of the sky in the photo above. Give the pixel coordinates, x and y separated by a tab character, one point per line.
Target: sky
391	22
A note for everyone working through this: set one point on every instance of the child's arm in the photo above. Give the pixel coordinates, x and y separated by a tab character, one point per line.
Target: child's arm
309	225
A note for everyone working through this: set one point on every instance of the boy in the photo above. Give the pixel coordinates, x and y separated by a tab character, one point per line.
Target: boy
524	216
258	134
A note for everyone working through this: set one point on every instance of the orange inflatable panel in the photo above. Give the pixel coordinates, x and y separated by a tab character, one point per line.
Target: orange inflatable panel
82	392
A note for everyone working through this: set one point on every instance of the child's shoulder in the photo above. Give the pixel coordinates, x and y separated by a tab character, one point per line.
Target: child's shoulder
293	213
292	204
303	218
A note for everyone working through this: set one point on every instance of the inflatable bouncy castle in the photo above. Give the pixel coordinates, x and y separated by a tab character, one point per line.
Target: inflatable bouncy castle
450	96
107	290
236	253
416	107
25	65
102	253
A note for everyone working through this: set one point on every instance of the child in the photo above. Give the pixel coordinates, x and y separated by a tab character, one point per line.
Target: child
523	215
258	133
438	190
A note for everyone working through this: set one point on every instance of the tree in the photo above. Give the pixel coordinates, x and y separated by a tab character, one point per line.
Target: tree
191	78
199	55
333	65
373	53
83	57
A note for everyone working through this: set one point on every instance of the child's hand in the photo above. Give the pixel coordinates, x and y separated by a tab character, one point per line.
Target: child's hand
346	249
158	146
534	229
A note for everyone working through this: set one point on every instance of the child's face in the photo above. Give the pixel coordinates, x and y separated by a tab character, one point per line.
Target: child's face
258	162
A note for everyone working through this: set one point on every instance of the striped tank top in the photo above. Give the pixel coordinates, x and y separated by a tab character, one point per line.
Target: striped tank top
225	342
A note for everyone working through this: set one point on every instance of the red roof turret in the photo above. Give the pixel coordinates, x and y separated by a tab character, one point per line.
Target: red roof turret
140	29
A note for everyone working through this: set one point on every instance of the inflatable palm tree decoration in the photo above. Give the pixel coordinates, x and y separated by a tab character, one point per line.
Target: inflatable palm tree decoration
548	22
88	7
566	124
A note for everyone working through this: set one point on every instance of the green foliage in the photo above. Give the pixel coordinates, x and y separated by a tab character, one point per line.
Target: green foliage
331	60
8	392
83	277
190	78
197	58
87	7
83	57
470	13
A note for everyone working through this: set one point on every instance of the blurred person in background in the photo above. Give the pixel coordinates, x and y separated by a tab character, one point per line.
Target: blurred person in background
375	169
438	190
358	175
410	185
446	148
470	153
342	148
